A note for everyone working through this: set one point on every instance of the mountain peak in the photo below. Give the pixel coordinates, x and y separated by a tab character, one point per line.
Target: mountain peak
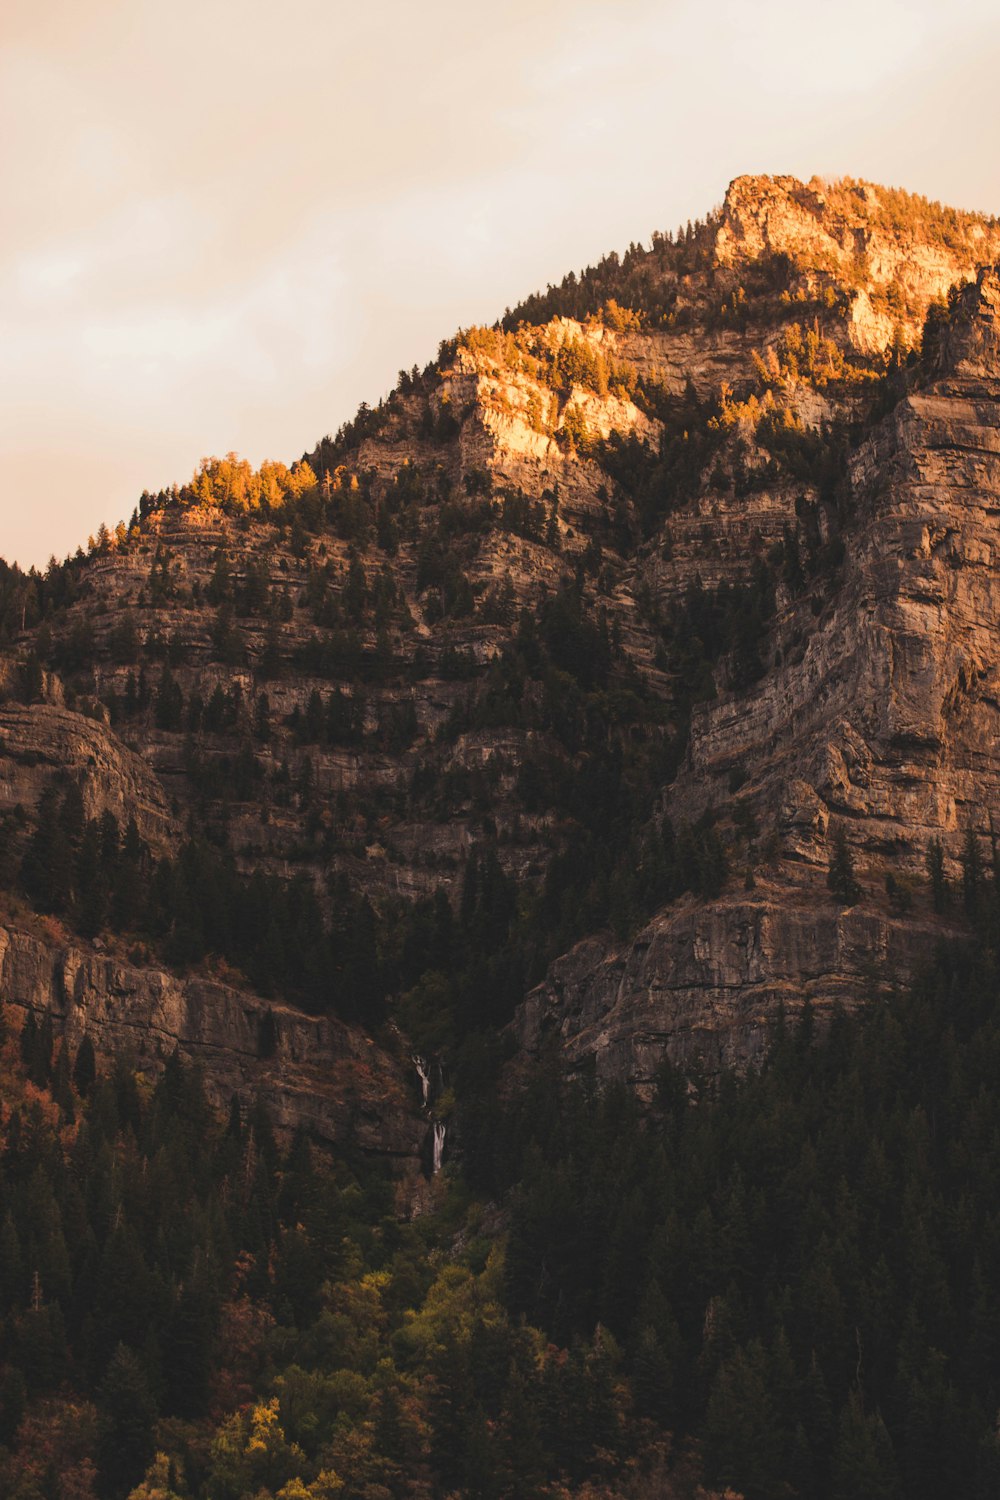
962	339
842	215
889	253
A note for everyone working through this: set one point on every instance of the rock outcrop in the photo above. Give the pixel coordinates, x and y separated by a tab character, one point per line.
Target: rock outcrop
42	739
313	1072
703	984
891	253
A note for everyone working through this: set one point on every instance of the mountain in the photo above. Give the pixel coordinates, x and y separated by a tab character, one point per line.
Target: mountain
577	773
540	696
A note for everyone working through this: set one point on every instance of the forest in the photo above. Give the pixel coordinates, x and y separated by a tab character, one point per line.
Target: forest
778	1284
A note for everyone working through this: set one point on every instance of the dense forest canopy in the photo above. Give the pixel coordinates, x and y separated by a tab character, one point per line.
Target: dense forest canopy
788	1279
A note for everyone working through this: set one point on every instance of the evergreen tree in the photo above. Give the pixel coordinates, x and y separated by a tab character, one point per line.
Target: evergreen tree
127	1414
972	876
29	1043
62	1091
840	877
169	711
85	1067
37	1042
188	1343
940	893
863	1463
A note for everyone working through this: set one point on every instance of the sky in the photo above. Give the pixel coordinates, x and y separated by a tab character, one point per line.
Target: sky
225	223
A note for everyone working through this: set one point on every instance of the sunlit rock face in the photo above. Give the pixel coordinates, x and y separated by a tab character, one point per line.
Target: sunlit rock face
889	255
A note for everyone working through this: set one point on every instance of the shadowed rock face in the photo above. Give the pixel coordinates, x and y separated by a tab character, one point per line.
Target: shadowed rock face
704	983
876	711
42	739
322	1076
886	723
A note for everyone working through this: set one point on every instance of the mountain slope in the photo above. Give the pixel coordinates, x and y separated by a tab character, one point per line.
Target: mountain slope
876	719
618	611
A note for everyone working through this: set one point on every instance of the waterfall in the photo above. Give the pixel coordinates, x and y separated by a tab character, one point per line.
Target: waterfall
423	1073
440	1131
431	1076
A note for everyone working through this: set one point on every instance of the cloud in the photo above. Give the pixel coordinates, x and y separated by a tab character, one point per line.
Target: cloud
226	224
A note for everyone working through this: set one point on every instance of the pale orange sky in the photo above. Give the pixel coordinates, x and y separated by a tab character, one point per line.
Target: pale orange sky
226	224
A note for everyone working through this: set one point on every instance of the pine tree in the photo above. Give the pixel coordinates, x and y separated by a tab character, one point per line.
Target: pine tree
863	1464
62	1091
91	904
36	1049
12	1272
840	878
169	702
972	876
85	1067
13	1400
127	1414
940	892
270	660
188	1343
29	1042
741	1429
315	718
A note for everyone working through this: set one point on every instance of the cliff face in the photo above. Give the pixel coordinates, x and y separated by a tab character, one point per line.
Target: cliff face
887	252
704	983
889	709
313	1073
379	682
41	740
884	722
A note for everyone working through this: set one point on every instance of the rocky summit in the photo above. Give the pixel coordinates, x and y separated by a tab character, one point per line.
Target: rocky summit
625	679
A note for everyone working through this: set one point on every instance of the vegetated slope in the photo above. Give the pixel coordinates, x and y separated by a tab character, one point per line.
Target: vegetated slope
397	726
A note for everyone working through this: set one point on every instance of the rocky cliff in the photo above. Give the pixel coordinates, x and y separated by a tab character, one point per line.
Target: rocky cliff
313	1073
704	537
880	717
